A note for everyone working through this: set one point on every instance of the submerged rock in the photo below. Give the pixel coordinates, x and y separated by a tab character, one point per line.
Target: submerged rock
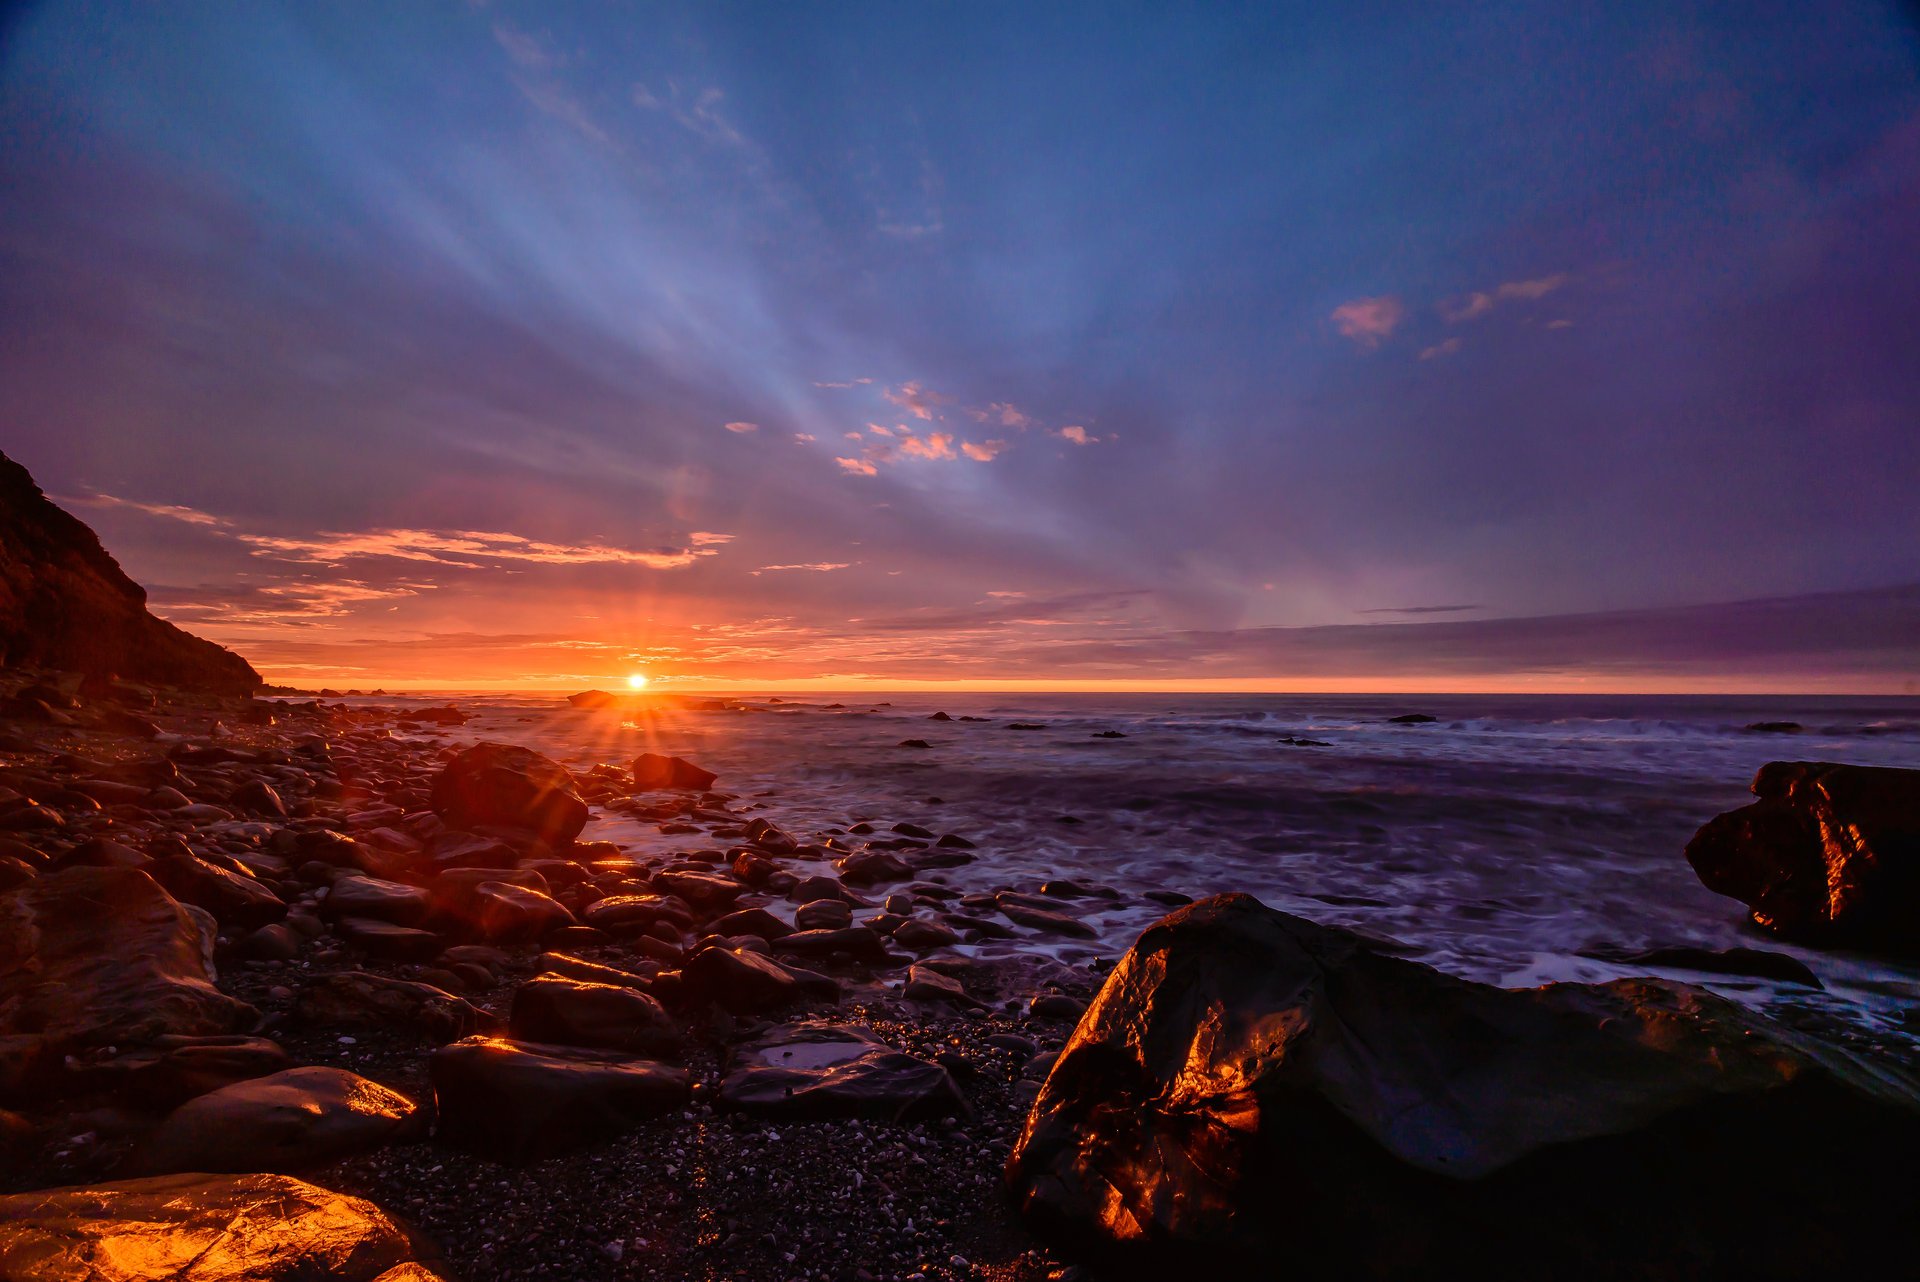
202	1228
1249	1087
1829	854
503	786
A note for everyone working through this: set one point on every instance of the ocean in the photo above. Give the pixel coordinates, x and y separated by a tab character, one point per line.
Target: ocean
1502	841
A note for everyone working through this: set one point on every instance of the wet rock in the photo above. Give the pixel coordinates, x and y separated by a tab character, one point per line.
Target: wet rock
201	1228
521	1101
823	914
816	1072
1171	898
870	867
359	999
567	966
1774	727
1056	1006
571	1013
233	900
953	841
288	1122
703	890
385	940
1828	855
594	699
277	942
500	912
915	743
1021	913
636	912
377	899
740	982
939	716
751	921
1249	1086
919	934
651	770
854	941
469	850
1757	962
927	985
258	797
1412	719
102	956
500	785
808	889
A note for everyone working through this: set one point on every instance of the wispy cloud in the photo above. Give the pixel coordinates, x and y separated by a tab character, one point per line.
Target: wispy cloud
816	566
466	548
852	382
697	111
1369	321
743	427
983	451
1478	304
169	511
804	438
1445	348
1006	414
857	466
527	50
1421	609
916	400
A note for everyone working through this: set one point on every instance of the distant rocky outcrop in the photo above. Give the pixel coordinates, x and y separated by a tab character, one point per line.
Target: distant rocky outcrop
1828	855
66	604
1251	1088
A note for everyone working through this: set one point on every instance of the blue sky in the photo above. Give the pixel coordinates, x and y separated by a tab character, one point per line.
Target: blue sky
748	339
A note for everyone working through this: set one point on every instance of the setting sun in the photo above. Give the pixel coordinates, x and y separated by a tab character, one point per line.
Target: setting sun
638	681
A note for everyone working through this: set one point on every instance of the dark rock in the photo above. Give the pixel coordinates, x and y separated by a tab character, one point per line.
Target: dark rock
1775	727
823	914
823	1072
570	1013
66	604
233	900
499	785
1056	1006
1412	719
594	699
915	743
651	770
567	966
205	1228
387	941
1043	919
854	941
1171	898
276	942
258	797
521	1101
741	982
701	889
177	1069
359	999
870	867
1757	962
927	985
953	841
939	716
918	934
291	1121
636	912
751	921
378	900
499	912
1828	855
1025	725
1251	1087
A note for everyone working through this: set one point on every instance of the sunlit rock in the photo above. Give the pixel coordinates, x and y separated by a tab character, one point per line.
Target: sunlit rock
500	785
289	1121
1829	854
203	1228
1250	1088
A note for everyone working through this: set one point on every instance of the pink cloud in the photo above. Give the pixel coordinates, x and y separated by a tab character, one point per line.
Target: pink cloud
984	451
857	466
1478	304
1368	321
1447	348
935	445
743	427
1078	435
916	400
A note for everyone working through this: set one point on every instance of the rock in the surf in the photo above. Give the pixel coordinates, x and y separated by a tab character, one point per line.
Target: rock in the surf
1250	1087
651	770
1829	854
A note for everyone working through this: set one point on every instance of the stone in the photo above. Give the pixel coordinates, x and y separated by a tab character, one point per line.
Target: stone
180	1068
1829	855
1044	920
823	914
372	897
870	867
855	941
919	935
233	900
257	796
1756	962
103	956
925	985
287	1122
741	982
590	972
387	941
751	921
651	770
359	999
522	1101
1250	1087
201	1228
703	890
501	913
636	912
500	785
821	1072
603	1016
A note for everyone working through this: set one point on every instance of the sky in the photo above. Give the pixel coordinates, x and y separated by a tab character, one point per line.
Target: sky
1493	346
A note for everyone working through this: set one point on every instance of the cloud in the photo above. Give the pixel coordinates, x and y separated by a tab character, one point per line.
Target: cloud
550	99
467	549
1367	321
169	511
743	427
852	382
1077	434
1446	348
1008	415
804	438
916	400
878	430
1478	304
817	566
526	49
984	451
707	538
279	603
698	113
857	466
1420	609
935	445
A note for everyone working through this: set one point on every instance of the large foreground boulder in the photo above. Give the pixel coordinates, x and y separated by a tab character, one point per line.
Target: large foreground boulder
102	956
1829	854
1251	1091
203	1228
520	1101
65	603
288	1121
497	785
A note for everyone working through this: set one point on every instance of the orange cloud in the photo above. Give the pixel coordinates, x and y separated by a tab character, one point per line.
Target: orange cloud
818	566
857	466
467	549
936	445
984	451
743	427
171	511
1078	435
1368	321
916	400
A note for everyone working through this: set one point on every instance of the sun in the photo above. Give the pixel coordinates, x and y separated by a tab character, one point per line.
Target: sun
638	681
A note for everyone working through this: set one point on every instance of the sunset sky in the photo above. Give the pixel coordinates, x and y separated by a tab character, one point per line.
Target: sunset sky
1528	346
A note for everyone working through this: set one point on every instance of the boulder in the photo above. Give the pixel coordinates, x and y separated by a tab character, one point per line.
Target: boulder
520	1101
569	1012
741	982
498	912
201	1228
387	941
359	999
377	899
503	786
819	1072
1250	1087
287	1122
233	899
65	603
176	1069
1828	855
651	770
103	956
703	890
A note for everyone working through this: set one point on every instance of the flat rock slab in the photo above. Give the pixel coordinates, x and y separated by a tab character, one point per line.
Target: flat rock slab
521	1101
817	1072
1250	1087
203	1228
286	1122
